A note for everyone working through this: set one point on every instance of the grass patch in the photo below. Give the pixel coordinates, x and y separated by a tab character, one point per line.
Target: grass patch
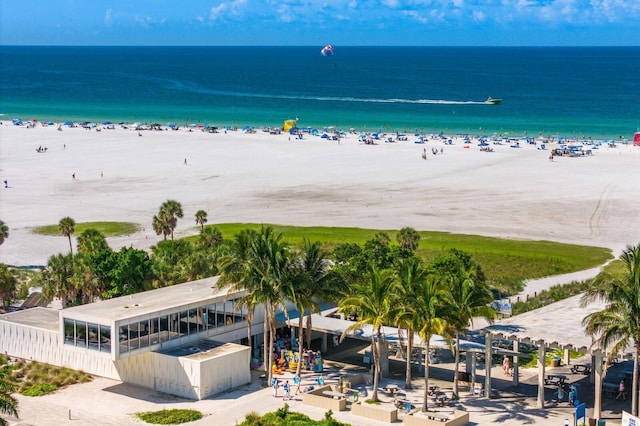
549	356
506	262
284	417
170	417
552	295
108	229
36	378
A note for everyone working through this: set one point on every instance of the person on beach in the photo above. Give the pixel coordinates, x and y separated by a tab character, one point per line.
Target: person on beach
424	154
185	161
6	183
73	176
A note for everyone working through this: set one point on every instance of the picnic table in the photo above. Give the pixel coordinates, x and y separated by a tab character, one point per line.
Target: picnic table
441	399
581	369
555	379
391	389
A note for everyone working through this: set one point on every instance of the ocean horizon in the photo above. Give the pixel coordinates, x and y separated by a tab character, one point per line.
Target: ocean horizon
575	92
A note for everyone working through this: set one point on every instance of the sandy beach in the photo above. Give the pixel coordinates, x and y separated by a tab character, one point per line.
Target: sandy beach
124	175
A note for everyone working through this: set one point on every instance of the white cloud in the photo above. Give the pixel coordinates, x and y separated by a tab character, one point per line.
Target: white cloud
478	16
415	16
108	17
232	8
393	4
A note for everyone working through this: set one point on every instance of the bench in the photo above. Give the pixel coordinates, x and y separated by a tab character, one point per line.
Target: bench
581	369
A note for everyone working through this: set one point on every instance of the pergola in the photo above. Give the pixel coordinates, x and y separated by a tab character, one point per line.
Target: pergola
558	325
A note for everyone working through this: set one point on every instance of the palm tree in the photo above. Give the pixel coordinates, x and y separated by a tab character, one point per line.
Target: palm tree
411	275
262	271
312	282
201	219
4	232
67	227
8	404
618	324
91	241
467	294
372	301
432	315
161	224
56	279
408	238
170	212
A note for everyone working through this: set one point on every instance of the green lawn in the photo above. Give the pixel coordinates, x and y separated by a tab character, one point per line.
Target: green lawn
108	229
506	262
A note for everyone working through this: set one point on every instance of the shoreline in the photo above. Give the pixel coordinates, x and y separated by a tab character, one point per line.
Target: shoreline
445	129
259	177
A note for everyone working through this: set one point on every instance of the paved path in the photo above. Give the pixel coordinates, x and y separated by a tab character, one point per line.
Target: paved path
108	402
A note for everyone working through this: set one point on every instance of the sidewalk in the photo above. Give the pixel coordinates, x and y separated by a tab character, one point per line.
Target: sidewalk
108	402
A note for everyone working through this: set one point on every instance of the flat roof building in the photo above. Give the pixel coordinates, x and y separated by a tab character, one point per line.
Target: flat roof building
183	339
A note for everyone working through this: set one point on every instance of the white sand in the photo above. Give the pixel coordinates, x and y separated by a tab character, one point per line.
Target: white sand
236	177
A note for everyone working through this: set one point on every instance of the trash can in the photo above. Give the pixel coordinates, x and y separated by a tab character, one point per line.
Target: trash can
602	422
555	362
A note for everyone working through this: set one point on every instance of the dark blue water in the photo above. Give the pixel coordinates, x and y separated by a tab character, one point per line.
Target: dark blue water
592	92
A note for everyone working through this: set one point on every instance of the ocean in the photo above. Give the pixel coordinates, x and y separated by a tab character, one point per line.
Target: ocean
551	91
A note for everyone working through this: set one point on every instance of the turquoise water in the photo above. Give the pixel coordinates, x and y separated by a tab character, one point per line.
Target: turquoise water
571	92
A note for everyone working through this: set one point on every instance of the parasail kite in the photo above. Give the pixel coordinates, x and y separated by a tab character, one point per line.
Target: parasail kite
327	50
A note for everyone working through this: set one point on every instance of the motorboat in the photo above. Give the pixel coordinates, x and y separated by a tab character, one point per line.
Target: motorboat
492	101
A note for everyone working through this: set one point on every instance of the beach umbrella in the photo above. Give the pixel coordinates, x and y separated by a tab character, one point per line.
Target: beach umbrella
106	122
68	123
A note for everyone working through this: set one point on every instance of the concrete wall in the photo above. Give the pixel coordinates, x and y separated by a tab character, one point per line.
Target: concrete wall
21	341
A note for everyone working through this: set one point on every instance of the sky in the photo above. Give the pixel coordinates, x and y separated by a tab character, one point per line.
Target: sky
321	22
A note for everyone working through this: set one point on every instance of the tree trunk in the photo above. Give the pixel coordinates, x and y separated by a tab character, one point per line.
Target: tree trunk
407	381
634	389
266	360
457	366
70	246
309	331
376	364
272	333
426	376
298	369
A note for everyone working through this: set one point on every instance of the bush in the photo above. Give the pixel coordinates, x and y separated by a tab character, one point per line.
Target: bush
170	417
39	389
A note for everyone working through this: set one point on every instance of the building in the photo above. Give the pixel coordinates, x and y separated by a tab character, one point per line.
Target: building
186	340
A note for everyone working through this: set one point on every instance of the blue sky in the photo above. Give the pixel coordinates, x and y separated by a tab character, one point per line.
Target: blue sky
310	22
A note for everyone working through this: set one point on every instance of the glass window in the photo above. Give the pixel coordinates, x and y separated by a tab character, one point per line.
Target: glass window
184	323
163	328
69	331
81	334
93	337
105	339
143	333
123	339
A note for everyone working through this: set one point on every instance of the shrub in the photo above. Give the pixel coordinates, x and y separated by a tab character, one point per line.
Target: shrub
170	417
39	389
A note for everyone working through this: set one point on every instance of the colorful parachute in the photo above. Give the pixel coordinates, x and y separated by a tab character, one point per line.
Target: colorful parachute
327	50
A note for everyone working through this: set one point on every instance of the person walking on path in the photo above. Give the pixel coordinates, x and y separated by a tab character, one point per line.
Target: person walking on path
287	393
297	381
274	385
